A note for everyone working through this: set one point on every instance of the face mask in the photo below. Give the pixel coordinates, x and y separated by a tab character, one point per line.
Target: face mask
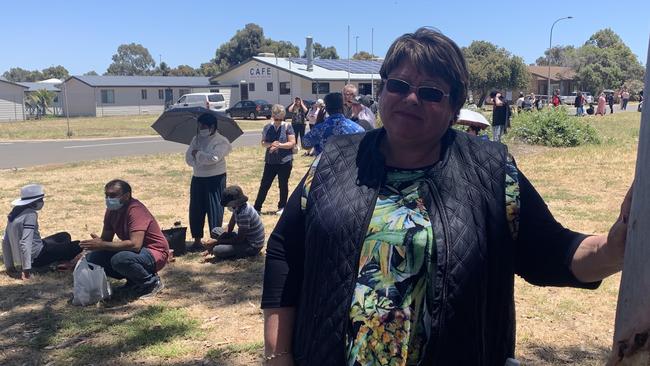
204	133
113	203
231	209
38	205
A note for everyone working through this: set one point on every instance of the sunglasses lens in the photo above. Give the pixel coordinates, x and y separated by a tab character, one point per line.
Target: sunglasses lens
397	86
430	94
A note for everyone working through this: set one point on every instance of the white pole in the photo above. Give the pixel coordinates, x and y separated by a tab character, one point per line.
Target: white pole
632	325
348	54
372	53
67	113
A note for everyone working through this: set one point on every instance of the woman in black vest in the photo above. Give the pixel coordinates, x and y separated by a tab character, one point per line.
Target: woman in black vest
400	246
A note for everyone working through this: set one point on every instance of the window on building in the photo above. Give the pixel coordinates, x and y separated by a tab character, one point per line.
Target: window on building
143	93
161	94
108	96
365	88
214	90
251	86
320	88
269	86
182	92
284	88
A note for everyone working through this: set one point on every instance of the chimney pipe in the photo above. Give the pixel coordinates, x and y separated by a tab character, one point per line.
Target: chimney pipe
310	54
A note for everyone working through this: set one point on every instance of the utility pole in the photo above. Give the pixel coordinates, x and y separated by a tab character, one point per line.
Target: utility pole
632	327
356	45
348	54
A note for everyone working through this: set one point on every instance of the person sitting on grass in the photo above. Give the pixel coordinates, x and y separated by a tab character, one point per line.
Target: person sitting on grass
249	238
142	250
22	244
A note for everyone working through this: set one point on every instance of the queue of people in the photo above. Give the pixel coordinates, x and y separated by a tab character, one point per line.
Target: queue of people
391	250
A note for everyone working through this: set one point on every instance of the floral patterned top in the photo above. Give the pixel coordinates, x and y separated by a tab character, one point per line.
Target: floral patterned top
388	313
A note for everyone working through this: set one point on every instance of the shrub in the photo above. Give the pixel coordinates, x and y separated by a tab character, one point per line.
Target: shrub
553	127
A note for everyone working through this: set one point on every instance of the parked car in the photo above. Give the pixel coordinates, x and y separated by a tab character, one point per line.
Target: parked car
289	115
250	109
571	99
214	101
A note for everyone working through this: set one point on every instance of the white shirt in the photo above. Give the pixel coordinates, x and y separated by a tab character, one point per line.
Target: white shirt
210	158
22	241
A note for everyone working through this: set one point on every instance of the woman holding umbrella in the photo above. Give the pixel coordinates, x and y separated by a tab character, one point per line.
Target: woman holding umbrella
206	155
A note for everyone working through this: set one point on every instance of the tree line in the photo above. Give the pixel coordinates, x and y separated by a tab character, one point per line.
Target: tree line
604	61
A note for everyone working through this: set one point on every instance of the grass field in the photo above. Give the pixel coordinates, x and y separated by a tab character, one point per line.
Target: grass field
209	312
92	127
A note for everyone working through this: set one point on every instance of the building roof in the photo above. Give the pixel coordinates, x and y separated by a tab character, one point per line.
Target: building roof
11	82
144	81
557	72
51	81
39	86
323	69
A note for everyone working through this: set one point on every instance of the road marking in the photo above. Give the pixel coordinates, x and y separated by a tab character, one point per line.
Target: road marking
6	143
110	144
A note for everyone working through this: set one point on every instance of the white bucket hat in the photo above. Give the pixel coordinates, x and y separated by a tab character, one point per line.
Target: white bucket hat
28	194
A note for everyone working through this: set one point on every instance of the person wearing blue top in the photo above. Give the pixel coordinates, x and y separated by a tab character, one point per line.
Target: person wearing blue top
335	124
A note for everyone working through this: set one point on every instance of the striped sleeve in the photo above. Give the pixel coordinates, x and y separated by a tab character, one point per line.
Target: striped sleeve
26	239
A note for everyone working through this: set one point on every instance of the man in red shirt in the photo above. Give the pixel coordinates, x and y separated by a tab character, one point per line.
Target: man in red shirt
142	250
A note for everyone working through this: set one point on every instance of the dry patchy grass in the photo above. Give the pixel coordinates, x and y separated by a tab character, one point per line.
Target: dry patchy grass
91	127
209	313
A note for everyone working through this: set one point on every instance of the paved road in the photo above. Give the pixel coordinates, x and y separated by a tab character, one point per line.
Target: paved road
30	153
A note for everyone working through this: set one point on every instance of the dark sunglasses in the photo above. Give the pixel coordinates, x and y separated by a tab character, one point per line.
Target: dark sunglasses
424	93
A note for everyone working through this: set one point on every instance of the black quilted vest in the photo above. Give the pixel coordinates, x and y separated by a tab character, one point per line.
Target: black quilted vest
473	306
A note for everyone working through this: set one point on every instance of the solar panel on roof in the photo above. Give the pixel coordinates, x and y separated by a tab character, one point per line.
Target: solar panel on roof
354	66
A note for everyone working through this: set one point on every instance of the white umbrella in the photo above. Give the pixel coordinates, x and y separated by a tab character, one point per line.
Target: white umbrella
467	117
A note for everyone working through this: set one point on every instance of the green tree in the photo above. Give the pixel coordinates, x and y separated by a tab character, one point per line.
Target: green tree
559	56
39	101
209	69
363	55
280	48
91	73
183	70
131	59
57	72
491	68
323	52
17	74
245	44
606	62
161	70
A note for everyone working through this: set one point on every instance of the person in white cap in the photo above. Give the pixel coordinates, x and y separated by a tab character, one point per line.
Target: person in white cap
22	245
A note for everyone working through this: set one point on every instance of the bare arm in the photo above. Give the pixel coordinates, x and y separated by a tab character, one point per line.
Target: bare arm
231	223
134	244
278	333
600	256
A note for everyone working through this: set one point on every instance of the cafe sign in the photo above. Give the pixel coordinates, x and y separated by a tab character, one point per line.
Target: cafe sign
259	72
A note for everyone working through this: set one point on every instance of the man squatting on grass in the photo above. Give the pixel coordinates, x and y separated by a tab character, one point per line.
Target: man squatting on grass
142	250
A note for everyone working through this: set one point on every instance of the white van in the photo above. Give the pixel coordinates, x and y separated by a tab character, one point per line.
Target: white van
214	101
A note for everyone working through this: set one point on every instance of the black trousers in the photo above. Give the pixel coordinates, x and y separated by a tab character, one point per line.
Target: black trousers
205	198
56	248
283	171
299	130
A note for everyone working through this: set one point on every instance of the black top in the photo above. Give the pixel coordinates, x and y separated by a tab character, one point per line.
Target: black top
545	246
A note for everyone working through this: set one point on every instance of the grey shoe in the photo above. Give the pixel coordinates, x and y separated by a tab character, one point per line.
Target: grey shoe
150	290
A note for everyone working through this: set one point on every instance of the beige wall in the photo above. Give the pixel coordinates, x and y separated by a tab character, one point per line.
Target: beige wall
11	102
129	101
80	98
299	86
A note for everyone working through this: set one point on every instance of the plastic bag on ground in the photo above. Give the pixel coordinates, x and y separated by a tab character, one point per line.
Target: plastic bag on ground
90	283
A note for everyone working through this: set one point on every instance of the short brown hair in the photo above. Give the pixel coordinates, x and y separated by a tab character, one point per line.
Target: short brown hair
437	55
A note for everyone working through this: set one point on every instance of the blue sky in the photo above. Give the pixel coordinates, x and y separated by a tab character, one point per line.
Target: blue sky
82	36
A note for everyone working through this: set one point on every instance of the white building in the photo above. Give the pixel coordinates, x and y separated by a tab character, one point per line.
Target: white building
128	95
11	101
279	79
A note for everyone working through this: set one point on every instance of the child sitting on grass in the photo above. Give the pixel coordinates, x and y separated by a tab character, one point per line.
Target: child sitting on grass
248	240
